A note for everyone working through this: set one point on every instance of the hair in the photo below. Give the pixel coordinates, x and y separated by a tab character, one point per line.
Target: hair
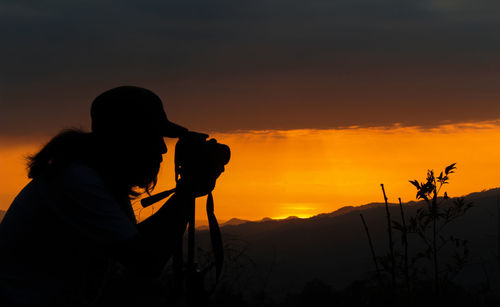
75	145
64	148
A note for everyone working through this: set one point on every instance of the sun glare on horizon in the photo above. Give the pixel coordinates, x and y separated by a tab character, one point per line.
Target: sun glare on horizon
282	173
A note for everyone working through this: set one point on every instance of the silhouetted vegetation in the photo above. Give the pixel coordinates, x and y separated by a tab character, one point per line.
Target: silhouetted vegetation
430	222
444	252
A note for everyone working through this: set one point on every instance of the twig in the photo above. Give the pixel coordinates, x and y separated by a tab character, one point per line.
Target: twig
374	257
391	245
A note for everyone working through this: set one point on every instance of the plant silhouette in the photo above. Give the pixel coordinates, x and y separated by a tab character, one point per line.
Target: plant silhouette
430	221
428	227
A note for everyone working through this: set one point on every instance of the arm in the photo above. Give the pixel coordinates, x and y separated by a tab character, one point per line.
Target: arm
158	236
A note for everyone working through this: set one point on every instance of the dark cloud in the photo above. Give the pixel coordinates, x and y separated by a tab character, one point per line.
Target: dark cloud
225	64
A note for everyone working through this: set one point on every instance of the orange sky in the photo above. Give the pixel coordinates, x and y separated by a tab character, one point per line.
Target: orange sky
306	172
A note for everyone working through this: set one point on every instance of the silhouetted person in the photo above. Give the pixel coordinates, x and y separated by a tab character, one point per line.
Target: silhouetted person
72	227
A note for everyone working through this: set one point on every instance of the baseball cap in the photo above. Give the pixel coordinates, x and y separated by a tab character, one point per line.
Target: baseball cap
132	109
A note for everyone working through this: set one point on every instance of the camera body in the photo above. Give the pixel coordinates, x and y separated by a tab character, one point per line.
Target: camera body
199	162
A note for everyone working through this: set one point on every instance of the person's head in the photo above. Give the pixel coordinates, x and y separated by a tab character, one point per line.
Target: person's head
126	143
130	124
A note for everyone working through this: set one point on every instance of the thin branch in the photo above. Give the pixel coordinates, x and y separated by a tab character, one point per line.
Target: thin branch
374	257
389	230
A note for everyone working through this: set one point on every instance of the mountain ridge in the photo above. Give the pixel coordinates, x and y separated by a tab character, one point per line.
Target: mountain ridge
333	246
347	209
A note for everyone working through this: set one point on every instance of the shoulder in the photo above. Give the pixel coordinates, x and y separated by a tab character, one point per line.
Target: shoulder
78	172
86	203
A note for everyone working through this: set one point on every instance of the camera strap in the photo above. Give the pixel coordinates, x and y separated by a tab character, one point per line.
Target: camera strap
148	201
215	237
215	234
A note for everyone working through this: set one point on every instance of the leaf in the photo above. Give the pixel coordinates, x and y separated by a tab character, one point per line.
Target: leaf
415	183
430	176
449	169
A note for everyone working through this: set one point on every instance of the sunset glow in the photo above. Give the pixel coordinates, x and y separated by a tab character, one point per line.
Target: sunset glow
306	172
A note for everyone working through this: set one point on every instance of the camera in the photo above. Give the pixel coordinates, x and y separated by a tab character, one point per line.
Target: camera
199	162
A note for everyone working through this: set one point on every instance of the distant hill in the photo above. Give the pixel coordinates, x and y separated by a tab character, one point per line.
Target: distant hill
281	255
234	222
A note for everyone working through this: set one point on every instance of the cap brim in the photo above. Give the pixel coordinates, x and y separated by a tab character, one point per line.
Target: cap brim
172	130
